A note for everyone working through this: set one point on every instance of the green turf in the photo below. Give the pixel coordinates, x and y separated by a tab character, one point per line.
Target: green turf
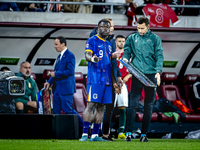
154	144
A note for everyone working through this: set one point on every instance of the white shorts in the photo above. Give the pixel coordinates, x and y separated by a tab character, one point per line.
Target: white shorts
122	99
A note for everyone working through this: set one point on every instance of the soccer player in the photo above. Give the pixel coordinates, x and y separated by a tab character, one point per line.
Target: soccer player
117	75
146	51
121	100
99	80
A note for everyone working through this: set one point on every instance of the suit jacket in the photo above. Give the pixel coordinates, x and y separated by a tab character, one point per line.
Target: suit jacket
64	78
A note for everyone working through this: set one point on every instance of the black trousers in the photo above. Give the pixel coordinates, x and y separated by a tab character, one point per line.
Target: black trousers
107	115
136	89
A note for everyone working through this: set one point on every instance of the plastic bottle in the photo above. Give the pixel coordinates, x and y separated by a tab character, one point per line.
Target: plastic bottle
194	135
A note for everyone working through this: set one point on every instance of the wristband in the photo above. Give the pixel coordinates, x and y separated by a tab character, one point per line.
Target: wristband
159	72
92	59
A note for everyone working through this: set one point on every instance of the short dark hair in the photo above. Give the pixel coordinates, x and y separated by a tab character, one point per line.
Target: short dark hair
142	20
103	20
109	19
119	36
5	68
62	40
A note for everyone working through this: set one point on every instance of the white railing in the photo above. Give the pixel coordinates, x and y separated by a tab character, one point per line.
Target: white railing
89	3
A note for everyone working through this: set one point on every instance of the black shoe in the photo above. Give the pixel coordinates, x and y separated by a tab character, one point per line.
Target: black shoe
128	138
107	138
144	139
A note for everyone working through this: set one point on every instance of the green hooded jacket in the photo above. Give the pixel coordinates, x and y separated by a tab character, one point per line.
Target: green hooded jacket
31	90
146	52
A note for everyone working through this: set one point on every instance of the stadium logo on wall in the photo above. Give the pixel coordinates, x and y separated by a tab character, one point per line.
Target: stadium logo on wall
83	62
9	61
196	64
95	96
45	61
170	64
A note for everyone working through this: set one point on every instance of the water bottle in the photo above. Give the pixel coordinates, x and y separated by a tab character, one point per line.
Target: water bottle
167	136
194	135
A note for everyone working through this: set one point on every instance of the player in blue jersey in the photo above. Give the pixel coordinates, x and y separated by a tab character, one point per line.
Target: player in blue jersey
99	79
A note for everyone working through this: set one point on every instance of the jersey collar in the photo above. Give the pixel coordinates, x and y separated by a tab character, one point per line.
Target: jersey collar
100	38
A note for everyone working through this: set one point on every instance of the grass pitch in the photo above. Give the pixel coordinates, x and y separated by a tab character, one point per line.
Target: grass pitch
52	144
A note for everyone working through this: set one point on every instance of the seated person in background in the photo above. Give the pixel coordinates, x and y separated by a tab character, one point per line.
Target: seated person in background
5	69
23	104
70	8
86	8
100	9
32	7
136	3
132	10
8	6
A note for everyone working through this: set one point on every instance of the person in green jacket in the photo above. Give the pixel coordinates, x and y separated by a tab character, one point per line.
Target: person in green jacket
24	104
146	51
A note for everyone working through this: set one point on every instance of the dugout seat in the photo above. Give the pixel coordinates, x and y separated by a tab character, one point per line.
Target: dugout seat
171	92
45	74
33	76
139	117
163	118
168	78
79	77
79	98
189	79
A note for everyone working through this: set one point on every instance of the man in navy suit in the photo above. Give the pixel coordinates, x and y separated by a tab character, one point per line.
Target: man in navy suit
63	80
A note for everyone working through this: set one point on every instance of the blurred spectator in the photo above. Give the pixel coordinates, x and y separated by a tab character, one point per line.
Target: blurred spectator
23	6
184	11
117	9
33	7
122	9
5	69
27	103
86	8
55	7
131	11
191	11
41	7
98	9
30	7
177	10
71	8
160	15
8	7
